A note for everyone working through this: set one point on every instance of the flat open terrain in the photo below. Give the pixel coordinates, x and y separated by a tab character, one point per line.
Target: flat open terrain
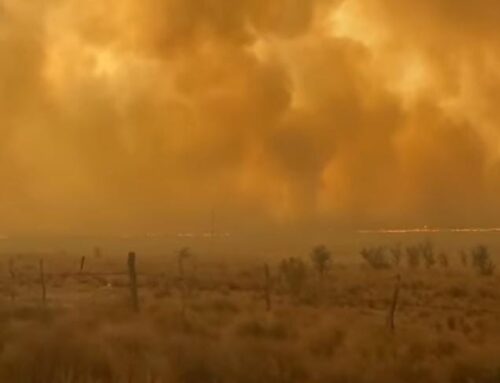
213	324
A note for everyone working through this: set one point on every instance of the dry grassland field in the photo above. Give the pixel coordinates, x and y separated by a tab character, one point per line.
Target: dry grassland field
405	313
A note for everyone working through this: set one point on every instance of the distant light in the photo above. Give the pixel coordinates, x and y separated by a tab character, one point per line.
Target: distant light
426	229
204	235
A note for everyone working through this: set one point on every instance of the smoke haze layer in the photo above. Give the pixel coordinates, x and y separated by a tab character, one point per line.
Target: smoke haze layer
147	115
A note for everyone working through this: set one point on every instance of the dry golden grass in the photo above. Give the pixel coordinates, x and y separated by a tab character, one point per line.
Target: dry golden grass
334	330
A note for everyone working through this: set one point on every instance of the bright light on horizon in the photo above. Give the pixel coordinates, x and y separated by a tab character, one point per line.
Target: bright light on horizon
426	229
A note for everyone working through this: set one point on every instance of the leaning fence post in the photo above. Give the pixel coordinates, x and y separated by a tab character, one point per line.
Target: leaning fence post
42	282
394	304
82	264
267	288
133	281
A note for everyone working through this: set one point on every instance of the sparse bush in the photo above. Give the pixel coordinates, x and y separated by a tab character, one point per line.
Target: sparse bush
422	252
413	256
396	254
464	258
294	272
458	292
376	257
443	260
427	253
224	306
321	259
481	261
257	329
182	255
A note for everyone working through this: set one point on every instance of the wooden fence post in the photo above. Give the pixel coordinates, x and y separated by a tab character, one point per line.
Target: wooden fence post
133	281
394	304
267	287
42	282
82	264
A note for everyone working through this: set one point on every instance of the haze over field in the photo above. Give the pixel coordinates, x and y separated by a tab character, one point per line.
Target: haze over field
129	116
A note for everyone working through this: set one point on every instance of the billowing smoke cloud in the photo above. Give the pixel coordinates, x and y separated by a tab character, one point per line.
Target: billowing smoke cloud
138	116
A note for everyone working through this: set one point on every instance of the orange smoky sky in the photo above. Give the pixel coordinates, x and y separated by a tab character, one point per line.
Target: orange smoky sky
147	115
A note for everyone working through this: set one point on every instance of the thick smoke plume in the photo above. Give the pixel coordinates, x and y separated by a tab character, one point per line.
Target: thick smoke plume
146	115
